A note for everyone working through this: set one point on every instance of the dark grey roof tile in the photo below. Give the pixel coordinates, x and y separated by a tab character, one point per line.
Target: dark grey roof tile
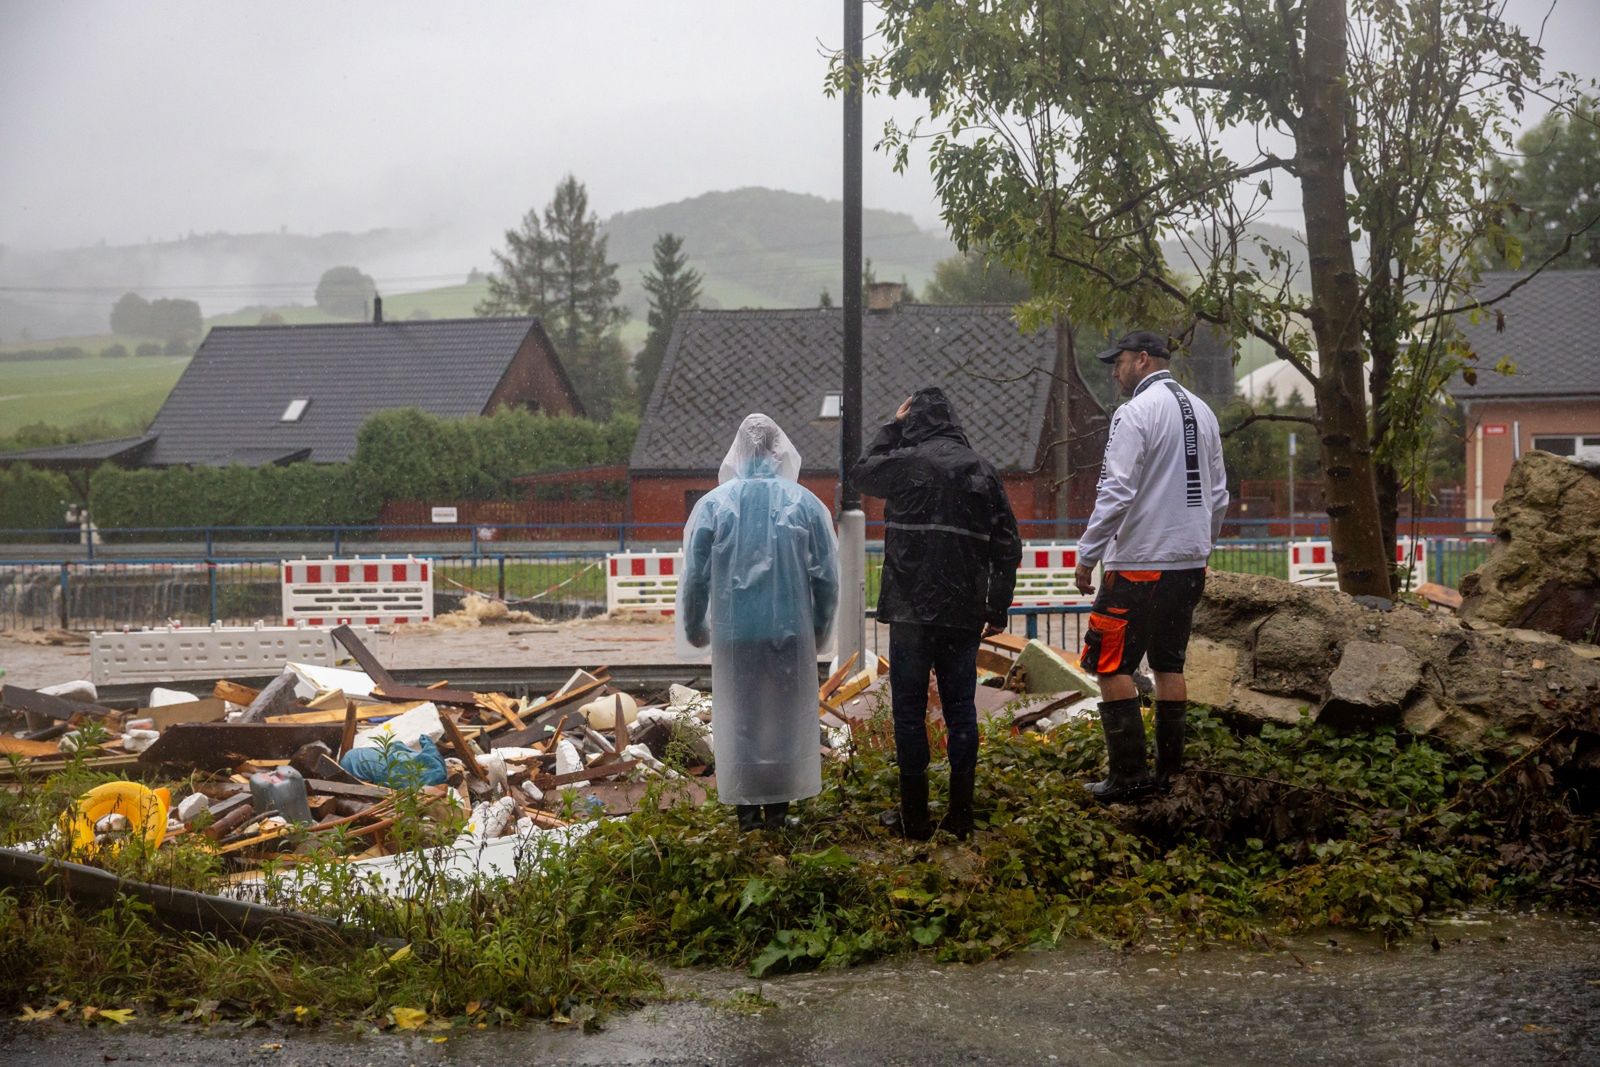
1551	336
722	365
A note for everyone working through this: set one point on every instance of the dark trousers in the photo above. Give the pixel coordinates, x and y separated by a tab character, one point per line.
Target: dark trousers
952	655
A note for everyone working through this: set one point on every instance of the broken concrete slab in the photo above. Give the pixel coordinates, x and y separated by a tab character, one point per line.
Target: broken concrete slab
1210	671
1370	686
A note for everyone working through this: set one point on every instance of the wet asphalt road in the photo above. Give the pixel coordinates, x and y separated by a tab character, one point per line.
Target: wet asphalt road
1517	991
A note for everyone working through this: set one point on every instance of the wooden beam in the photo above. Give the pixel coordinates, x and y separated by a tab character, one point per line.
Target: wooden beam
19	699
463	747
362	655
216	746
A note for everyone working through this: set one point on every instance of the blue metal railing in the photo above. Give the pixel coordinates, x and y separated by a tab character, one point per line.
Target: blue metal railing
40	587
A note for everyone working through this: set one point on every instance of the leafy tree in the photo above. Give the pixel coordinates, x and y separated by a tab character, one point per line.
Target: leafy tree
972	278
1080	136
171	319
674	287
345	291
1555	186
130	315
555	268
115	351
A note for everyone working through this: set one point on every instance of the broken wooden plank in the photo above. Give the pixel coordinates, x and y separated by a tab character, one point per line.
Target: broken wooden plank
1033	715
588	774
835	679
19	699
994	662
210	709
453	697
21	746
347	790
463	747
364	713
216	746
362	655
234	693
347	736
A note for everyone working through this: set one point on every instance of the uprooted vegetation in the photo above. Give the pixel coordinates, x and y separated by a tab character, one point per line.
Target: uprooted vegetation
1291	828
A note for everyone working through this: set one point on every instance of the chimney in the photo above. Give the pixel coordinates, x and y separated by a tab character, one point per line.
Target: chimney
884	296
377	310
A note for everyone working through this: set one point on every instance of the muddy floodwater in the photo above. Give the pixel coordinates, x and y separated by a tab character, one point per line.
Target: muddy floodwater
1479	990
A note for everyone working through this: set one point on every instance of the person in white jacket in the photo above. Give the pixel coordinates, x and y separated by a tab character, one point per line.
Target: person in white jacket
1159	508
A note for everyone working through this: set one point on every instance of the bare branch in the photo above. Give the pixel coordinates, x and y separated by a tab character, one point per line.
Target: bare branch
1268	416
1566	246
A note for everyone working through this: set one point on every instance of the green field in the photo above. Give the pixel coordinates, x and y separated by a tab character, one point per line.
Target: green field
124	391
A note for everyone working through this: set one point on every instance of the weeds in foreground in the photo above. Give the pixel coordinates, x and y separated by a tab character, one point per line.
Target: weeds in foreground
1294	828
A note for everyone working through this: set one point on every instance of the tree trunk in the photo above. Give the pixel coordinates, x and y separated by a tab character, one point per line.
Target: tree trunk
1347	468
1078	444
1384	345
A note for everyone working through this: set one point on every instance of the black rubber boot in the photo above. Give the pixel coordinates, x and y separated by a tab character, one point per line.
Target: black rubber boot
958	820
776	817
1170	716
911	821
749	817
1128	775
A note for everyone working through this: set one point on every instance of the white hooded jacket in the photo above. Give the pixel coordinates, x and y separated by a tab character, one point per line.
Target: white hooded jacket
1163	491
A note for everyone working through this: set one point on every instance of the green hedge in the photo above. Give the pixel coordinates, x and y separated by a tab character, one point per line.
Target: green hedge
411	455
32	500
400	455
300	494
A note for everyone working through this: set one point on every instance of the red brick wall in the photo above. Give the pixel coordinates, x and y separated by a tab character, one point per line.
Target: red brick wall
661	500
1522	419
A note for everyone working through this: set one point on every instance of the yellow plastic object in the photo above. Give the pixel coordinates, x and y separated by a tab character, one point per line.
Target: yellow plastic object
146	810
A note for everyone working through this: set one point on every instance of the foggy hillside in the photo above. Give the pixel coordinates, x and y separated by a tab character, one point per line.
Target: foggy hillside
769	248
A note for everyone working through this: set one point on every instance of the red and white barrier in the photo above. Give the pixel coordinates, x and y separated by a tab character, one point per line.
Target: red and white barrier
370	592
1046	577
1311	562
643	581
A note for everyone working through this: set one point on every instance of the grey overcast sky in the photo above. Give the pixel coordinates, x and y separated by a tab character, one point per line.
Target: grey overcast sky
125	121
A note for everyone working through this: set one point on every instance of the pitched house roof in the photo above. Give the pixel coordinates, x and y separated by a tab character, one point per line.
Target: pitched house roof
239	400
722	365
88	454
1551	334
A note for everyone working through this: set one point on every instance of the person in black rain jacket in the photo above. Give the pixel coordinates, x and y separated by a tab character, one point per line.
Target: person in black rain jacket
950	556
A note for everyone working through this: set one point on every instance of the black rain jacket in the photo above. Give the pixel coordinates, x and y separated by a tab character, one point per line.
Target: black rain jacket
950	541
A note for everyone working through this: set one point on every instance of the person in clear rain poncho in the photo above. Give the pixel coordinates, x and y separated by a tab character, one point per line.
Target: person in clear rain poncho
760	583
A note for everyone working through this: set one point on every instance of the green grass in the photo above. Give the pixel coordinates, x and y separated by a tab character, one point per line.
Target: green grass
63	392
1283	831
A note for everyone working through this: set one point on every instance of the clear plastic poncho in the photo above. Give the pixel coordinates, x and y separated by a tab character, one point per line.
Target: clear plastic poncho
760	583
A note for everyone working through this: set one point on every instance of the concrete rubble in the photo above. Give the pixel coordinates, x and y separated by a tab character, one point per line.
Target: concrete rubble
1544	571
1269	651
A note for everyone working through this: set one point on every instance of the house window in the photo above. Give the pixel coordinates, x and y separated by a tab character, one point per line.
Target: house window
1581	446
832	405
691	497
296	408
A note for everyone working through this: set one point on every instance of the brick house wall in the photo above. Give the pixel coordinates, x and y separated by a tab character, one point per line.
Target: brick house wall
666	500
1498	430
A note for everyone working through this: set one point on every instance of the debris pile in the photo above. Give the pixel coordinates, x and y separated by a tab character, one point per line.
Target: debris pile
317	761
1267	650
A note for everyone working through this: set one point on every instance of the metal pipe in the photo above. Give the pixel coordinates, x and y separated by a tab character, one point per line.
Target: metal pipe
852	522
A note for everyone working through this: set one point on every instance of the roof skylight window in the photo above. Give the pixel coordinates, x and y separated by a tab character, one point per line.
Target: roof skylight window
297	407
832	405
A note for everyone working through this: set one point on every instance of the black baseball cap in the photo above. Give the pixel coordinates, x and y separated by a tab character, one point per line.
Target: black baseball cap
1138	341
